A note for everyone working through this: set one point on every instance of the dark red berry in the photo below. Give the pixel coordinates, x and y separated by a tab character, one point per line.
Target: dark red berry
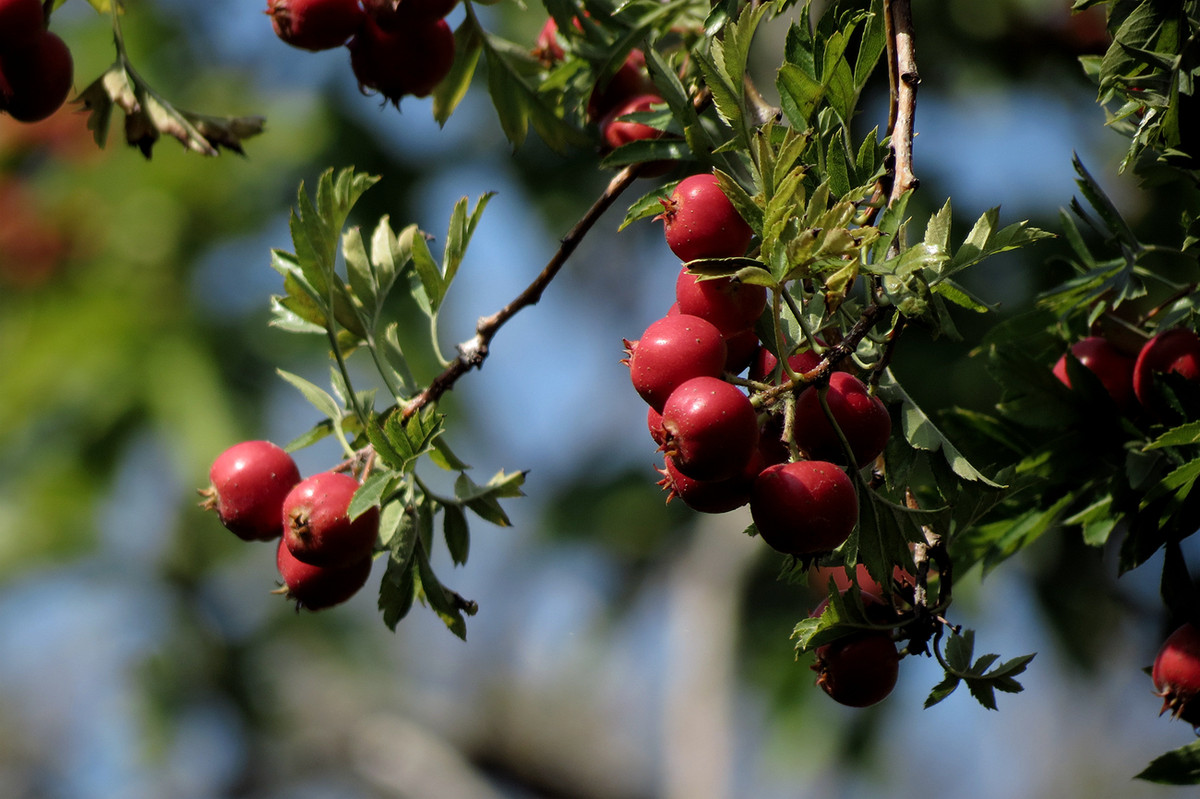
315	24
1176	674
671	350
617	132
732	306
317	528
701	222
741	348
859	670
38	72
319	587
862	417
764	364
546	48
412	59
20	21
629	81
804	507
711	428
1175	351
1114	368
394	14
247	485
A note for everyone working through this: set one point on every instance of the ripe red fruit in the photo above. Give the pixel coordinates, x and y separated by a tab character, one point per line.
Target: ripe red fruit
1114	368
819	580
20	21
1176	674
317	528
616	132
247	486
392	14
711	428
765	363
859	670
39	72
741	348
629	81
671	350
701	222
732	306
804	507
711	496
412	59
319	587
1174	351
861	416
546	48
315	24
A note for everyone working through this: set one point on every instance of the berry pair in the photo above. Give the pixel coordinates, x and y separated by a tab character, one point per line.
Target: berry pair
324	556
1175	351
36	68
397	47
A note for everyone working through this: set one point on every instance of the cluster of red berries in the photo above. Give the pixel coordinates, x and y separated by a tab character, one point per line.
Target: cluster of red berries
720	451
397	47
1130	380
324	557
630	90
1176	674
36	68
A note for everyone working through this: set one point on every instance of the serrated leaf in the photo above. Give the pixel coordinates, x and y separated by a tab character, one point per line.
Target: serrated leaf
648	205
457	533
369	494
433	289
461	229
448	605
1177	437
942	690
1177	767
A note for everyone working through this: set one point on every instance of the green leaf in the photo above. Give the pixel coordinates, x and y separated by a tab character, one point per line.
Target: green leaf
462	227
448	605
453	88
454	527
1178	767
369	494
648	205
1177	437
318	397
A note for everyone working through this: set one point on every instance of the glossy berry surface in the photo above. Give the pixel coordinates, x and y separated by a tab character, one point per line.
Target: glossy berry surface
1176	674
1110	365
671	350
861	416
860	670
1175	351
38	73
248	483
317	527
710	428
701	222
708	496
730	305
412	59
315	24
319	587
804	507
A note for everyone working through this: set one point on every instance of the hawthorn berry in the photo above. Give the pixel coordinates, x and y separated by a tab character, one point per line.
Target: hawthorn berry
701	222
617	132
709	496
741	349
629	81
315	24
860	415
20	21
804	507
38	72
1110	365
316	526
710	428
546	47
731	305
859	670
247	486
671	350
319	587
1176	674
412	59
765	362
1175	351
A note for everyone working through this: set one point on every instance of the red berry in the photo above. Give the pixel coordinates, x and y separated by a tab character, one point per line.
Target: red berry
819	579
862	417
616	132
804	507
711	428
732	306
701	222
709	496
1176	674
1173	351
39	72
317	528
765	363
393	14
858	670
546	48
629	81
319	587
412	59
741	348
671	350
1114	368
315	24
247	484
20	21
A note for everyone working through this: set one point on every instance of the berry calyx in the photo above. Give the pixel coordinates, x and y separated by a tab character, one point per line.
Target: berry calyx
731	306
710	428
317	528
319	587
860	415
1176	674
804	507
315	24
701	222
671	350
1175	351
38	73
1110	365
247	486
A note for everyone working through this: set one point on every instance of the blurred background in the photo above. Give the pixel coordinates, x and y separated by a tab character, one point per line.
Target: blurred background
624	649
